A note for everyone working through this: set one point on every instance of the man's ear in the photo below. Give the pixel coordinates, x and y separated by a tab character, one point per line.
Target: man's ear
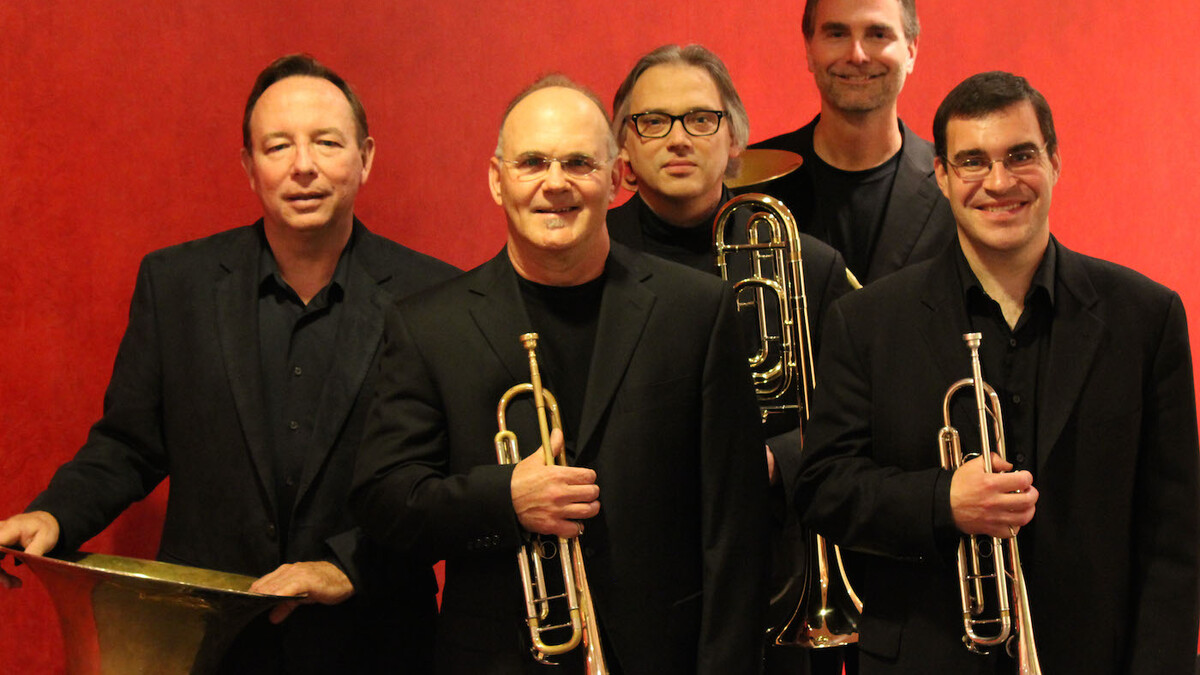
628	179
248	167
943	180
494	180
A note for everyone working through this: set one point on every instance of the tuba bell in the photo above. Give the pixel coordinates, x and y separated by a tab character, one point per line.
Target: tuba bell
770	283
123	615
576	598
1010	623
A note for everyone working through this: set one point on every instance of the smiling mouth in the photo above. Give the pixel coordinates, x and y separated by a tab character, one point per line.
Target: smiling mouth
1002	208
557	211
857	79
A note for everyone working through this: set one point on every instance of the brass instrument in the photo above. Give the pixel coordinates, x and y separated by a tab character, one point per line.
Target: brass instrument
124	615
828	611
1012	622
576	593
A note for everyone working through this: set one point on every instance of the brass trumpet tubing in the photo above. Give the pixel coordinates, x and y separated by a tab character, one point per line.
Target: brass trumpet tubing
1013	622
581	614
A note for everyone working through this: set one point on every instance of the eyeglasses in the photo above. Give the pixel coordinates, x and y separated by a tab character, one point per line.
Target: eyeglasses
659	125
976	168
534	166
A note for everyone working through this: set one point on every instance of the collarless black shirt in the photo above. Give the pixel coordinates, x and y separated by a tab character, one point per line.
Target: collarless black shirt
691	246
565	319
296	348
1013	359
852	205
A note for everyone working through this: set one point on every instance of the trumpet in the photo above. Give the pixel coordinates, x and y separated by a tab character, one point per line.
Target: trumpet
828	610
576	595
1011	622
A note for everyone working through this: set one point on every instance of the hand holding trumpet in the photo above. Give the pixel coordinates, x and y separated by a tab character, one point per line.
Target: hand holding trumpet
996	504
551	499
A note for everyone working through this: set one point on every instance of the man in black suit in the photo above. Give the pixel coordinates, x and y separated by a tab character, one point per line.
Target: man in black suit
667	484
244	375
1093	370
866	186
682	127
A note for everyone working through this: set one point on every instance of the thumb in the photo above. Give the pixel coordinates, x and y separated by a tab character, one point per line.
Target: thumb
556	442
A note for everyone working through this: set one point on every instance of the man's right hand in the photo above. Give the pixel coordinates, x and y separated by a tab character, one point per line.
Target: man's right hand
995	504
35	532
552	499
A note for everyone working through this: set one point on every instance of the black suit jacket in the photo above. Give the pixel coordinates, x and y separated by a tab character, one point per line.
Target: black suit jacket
185	401
676	555
917	223
1111	554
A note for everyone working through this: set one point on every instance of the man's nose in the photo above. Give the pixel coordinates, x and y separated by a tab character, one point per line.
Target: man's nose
302	162
556	178
858	54
999	178
678	136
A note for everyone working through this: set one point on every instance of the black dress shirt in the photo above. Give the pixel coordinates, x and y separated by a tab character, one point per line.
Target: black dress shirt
296	342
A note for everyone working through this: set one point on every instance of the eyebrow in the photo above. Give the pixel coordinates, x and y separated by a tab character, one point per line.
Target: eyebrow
979	152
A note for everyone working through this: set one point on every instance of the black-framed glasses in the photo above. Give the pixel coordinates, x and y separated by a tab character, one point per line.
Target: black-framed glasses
532	166
975	168
695	123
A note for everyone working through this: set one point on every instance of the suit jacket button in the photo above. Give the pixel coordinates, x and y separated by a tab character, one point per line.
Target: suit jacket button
271	531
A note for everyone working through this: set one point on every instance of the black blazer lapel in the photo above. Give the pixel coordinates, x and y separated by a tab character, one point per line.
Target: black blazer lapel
624	309
912	199
946	321
1074	344
237	329
499	313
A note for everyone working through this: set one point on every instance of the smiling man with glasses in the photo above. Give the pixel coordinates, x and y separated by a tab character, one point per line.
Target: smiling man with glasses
1091	364
666	488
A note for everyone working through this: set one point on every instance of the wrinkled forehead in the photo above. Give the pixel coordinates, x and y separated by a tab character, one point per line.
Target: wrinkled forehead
556	121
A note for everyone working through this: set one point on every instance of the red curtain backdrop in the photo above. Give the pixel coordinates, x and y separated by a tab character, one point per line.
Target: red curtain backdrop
119	134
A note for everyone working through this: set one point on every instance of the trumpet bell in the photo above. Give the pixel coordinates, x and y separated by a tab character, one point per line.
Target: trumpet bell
125	615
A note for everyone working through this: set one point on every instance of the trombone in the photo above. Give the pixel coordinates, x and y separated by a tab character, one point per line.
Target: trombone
576	595
828	611
1011	621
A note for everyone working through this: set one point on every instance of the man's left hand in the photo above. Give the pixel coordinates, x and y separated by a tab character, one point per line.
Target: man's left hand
322	582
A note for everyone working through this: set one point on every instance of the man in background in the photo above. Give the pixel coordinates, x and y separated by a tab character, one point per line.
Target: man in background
682	127
866	185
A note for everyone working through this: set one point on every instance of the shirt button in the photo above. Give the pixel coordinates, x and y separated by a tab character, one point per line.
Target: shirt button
1020	458
293	425
1016	399
1012	342
296	371
291	481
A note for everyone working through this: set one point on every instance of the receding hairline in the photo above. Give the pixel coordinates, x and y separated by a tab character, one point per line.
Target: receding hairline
609	142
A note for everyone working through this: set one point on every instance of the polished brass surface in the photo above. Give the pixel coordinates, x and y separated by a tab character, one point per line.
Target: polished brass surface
763	260
125	615
759	165
983	574
576	599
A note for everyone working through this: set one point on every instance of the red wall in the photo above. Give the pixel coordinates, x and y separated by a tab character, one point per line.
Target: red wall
119	134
